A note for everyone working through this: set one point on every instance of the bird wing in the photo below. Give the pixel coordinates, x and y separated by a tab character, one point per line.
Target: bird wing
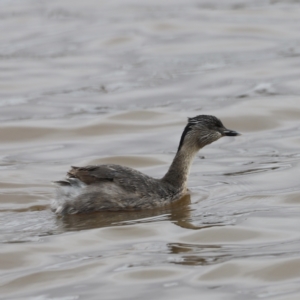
92	174
124	177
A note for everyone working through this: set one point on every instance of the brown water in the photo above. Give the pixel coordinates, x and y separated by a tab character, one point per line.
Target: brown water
113	81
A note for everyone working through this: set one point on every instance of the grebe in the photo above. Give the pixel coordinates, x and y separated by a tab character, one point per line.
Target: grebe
114	187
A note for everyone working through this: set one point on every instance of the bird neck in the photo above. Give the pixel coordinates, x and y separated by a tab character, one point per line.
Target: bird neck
179	170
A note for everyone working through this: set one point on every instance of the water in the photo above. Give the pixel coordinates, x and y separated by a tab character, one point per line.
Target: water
87	82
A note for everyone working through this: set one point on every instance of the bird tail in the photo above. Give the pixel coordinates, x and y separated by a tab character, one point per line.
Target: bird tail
66	192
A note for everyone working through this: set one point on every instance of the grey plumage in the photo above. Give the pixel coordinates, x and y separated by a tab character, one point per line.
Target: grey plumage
113	187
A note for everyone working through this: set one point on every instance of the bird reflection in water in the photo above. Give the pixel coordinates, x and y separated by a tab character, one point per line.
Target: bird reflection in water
179	213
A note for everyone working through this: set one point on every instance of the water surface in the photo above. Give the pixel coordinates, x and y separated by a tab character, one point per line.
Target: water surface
87	82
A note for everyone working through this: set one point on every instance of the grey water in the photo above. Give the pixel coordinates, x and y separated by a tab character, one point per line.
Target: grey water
85	82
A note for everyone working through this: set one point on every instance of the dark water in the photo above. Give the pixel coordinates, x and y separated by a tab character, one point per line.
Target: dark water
86	82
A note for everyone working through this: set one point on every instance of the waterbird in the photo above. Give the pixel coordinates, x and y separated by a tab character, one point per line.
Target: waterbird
113	187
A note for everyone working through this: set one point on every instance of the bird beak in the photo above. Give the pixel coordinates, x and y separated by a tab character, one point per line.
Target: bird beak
229	132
